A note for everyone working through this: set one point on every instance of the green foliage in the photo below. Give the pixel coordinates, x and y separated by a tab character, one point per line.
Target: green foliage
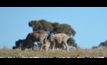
20	42
103	44
94	47
65	28
37	26
71	42
52	27
56	27
40	25
46	25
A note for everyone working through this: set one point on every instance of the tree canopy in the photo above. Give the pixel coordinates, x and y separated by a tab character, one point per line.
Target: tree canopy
52	27
41	25
71	42
103	44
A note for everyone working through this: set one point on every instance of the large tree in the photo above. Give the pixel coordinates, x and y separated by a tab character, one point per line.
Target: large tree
53	28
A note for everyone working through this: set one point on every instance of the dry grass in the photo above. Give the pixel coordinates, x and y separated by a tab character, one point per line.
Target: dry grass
5	52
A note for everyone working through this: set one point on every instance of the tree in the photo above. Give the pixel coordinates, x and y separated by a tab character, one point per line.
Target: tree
20	42
103	44
40	25
52	27
46	25
65	28
71	42
94	47
56	27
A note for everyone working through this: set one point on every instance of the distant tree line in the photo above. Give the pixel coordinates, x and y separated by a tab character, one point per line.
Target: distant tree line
101	45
